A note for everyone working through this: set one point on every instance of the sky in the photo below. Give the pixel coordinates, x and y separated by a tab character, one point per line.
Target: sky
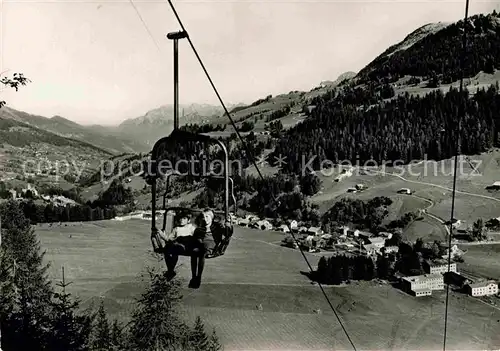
94	62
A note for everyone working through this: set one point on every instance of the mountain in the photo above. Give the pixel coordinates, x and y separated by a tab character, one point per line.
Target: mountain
434	51
404	105
25	148
159	122
346	76
68	129
19	134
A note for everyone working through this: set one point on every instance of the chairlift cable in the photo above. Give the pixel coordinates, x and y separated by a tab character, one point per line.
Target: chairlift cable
249	153
145	25
462	108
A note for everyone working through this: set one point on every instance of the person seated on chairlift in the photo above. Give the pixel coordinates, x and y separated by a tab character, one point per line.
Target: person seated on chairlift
178	242
207	236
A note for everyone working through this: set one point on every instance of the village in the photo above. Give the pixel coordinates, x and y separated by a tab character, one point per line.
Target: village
354	242
345	240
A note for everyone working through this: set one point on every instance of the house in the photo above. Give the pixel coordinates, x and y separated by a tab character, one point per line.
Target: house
252	218
494	186
370	249
386	235
352	233
365	235
343	230
378	242
360	187
264	225
243	222
456	279
456	223
315	231
344	174
391	249
283	228
423	285
404	191
293	224
308	109
302	230
439	266
485	288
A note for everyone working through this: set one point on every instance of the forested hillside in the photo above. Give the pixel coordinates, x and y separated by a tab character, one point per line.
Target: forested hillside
405	128
437	55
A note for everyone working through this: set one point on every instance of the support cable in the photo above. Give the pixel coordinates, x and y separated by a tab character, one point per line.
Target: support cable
145	26
462	108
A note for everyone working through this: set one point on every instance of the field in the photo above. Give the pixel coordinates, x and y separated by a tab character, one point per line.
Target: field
482	260
103	259
431	184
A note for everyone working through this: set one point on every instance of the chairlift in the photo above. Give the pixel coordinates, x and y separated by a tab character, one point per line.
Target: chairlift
177	149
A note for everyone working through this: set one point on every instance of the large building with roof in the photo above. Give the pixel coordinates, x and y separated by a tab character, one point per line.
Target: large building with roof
485	288
423	285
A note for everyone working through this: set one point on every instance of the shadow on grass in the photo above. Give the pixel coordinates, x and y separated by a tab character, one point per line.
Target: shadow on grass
312	276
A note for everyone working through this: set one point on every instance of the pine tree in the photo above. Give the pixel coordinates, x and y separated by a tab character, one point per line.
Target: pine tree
382	267
322	271
198	339
213	343
6	291
116	336
102	339
156	324
28	326
70	332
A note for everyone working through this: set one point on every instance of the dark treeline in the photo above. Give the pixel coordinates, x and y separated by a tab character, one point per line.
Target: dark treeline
282	112
253	149
246	126
116	194
204	128
104	207
404	129
338	269
361	214
49	213
438	55
275	128
409	261
261	101
36	316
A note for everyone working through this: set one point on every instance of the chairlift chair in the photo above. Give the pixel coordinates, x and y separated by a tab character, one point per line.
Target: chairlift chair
171	150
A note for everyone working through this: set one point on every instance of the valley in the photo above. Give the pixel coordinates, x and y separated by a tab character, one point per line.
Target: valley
351	221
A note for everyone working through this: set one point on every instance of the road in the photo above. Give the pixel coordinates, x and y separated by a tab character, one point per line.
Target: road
477	243
433	185
431	204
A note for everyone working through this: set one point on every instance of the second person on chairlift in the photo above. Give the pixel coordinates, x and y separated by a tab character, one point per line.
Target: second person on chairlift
207	235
